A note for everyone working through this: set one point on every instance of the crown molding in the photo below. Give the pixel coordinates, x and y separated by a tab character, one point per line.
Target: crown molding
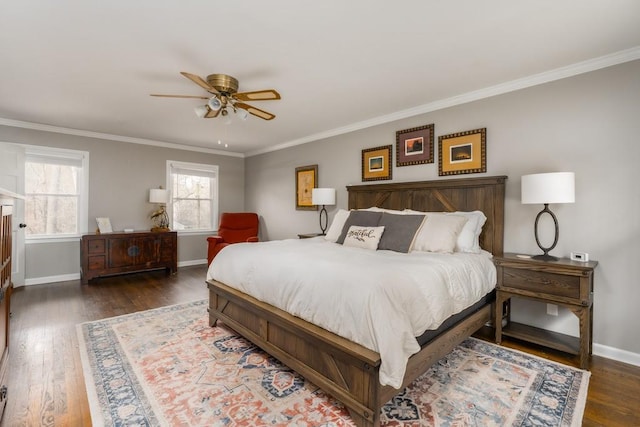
594	64
110	137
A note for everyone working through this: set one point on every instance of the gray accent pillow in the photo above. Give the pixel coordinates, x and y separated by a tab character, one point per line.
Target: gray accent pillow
360	218
399	231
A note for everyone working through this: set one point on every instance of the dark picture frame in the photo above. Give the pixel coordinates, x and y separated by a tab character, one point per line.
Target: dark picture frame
462	152
306	181
376	163
414	146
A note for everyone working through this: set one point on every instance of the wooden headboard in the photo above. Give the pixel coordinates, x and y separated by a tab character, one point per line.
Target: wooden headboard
485	194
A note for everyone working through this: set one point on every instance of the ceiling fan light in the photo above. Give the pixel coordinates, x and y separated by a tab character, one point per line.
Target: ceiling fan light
242	114
214	103
201	110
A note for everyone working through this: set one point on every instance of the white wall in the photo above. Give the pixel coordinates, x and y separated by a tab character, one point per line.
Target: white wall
588	124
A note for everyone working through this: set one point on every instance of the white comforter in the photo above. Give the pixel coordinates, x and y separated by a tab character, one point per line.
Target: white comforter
379	299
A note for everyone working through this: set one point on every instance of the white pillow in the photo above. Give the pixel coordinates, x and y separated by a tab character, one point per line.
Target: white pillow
469	237
439	233
336	225
363	237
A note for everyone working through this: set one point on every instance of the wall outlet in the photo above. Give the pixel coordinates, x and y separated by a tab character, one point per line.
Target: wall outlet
552	309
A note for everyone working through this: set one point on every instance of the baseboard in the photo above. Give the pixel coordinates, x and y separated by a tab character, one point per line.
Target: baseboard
51	279
76	276
616	354
192	262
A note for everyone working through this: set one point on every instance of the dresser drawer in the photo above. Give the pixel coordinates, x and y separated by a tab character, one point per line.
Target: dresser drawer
97	262
96	246
541	282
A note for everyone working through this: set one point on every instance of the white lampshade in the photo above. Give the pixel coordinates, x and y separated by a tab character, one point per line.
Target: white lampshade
201	111
555	187
323	196
243	114
158	195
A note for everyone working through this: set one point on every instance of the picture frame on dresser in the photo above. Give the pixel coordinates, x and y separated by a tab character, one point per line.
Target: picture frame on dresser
104	225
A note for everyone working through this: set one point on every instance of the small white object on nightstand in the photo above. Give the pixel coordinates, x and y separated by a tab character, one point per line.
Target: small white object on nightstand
580	256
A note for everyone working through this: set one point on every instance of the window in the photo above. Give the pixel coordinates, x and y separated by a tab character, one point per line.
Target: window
194	196
56	191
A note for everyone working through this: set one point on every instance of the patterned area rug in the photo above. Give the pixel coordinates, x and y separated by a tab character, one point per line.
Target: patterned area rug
167	367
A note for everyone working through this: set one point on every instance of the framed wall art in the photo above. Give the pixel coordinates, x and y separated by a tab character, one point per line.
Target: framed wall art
414	146
306	181
376	163
462	152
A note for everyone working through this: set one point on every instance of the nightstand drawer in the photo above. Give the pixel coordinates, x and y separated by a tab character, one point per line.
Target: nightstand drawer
561	285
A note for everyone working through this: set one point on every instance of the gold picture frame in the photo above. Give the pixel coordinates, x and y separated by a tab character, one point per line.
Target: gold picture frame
462	152
306	181
376	163
414	146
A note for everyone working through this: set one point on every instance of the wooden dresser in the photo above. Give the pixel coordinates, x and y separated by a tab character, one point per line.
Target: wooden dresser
116	253
6	286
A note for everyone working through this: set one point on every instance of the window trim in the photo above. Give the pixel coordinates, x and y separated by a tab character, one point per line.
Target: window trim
215	197
83	190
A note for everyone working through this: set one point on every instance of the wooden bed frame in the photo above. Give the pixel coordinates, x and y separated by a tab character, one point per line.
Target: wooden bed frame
346	370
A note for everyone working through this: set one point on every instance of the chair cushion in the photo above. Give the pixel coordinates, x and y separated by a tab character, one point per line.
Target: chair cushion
234	227
238	227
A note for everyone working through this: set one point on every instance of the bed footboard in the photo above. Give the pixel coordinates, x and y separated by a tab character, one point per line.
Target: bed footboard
346	370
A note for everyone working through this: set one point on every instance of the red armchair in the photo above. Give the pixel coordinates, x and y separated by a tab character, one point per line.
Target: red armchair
234	228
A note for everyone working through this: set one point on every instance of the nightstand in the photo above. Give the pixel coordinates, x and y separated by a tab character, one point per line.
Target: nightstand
309	235
563	282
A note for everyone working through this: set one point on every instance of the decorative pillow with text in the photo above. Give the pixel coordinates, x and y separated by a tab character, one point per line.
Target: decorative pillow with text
363	237
359	218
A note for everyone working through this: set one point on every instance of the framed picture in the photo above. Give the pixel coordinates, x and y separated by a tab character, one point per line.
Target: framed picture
306	181
414	146
462	152
104	225
376	163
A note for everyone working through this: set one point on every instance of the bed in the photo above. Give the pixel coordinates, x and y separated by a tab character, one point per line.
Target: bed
347	370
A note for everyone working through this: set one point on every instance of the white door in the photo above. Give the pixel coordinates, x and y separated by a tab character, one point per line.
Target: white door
12	179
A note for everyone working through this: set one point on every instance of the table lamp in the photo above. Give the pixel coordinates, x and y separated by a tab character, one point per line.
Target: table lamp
324	197
160	218
546	188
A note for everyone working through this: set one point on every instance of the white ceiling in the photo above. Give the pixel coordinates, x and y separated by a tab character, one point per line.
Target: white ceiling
88	66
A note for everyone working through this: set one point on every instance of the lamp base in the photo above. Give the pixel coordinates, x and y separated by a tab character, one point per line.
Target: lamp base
323	224
545	257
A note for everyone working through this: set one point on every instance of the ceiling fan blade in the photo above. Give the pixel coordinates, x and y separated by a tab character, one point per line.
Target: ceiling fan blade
255	111
258	95
212	113
200	82
180	96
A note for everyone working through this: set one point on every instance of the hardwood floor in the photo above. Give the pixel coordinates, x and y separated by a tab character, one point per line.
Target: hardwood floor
46	384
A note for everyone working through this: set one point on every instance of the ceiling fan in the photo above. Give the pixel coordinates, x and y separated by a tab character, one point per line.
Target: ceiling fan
225	97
